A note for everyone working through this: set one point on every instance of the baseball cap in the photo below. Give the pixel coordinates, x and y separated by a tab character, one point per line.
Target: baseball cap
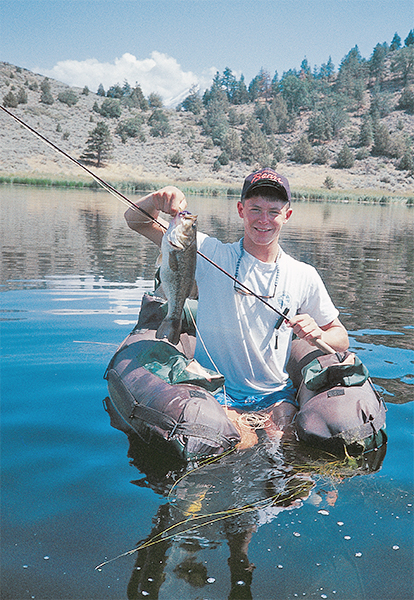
266	178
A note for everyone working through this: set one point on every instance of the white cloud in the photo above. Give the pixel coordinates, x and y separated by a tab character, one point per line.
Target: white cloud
160	74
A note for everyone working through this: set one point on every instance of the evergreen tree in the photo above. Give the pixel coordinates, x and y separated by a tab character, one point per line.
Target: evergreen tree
130	128
409	40
126	89
136	99
101	91
345	158
351	74
407	161
396	42
275	88
98	145
155	100
111	108
115	91
159	122
254	143
193	102
406	100
229	82
377	61
382	140
402	63
241	95
231	145
302	152
366	131
295	92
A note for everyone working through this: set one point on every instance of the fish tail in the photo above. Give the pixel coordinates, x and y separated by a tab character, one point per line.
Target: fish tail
170	329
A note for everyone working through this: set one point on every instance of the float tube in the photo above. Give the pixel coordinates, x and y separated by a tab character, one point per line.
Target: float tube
159	392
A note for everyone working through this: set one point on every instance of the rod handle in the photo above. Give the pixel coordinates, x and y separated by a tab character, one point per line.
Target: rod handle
323	346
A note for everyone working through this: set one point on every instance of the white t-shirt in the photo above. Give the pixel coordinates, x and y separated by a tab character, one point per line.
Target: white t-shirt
239	330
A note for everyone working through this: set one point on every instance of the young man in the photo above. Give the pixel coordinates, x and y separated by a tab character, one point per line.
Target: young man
241	337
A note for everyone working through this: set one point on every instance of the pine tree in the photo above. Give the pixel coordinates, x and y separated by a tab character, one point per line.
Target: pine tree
302	152
98	145
396	42
409	40
366	132
345	158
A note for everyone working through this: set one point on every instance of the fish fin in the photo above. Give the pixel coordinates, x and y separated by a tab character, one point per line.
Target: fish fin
170	329
172	261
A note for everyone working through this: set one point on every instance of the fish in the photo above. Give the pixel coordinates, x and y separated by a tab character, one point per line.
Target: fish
177	271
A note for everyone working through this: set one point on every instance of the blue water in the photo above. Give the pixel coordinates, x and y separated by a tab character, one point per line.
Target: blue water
71	499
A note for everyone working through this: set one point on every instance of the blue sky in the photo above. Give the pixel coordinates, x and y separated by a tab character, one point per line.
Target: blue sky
169	45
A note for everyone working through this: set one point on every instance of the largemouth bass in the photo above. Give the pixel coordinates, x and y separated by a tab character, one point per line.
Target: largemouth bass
178	263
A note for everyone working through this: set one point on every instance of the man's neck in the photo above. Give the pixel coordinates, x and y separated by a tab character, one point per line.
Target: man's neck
267	254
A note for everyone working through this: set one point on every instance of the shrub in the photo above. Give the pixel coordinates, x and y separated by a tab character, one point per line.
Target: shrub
68	97
175	159
329	183
85	91
223	158
362	154
10	100
22	96
46	95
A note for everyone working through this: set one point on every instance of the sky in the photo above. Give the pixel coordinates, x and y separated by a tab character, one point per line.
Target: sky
167	46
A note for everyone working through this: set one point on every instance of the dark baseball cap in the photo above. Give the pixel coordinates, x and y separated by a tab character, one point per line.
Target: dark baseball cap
266	178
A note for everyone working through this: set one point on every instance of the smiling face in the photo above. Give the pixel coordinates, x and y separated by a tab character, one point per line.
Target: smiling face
263	220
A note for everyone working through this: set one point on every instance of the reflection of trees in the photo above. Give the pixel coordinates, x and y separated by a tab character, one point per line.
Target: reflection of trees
371	280
367	266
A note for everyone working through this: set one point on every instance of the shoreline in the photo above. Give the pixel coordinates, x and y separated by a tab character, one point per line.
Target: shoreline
213	189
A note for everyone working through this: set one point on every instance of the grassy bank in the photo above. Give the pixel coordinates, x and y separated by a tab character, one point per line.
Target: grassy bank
217	190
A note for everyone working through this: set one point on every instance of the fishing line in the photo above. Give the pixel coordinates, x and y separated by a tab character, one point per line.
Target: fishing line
214	518
109	188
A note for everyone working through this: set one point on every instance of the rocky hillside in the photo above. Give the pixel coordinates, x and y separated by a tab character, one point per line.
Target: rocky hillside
185	153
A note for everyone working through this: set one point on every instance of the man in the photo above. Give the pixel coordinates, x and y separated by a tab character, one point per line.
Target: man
239	335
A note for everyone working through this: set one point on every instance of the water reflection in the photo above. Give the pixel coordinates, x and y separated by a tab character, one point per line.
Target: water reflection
227	501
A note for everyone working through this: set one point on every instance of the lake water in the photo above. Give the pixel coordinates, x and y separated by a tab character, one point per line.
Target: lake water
286	525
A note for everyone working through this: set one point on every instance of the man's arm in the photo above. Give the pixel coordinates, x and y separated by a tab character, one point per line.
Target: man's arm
169	200
334	334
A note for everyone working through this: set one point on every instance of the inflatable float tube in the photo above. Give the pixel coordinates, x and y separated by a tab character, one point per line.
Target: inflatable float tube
157	391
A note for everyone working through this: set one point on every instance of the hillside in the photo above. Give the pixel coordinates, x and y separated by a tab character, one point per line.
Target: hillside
150	157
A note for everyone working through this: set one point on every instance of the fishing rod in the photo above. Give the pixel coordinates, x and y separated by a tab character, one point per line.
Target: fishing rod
109	188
